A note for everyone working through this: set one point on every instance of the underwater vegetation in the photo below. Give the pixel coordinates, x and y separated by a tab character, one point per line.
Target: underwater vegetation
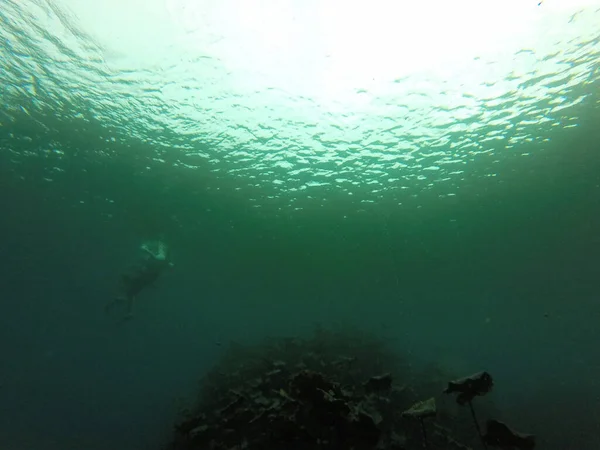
342	390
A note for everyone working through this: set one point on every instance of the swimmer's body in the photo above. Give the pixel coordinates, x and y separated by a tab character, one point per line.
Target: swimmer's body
142	275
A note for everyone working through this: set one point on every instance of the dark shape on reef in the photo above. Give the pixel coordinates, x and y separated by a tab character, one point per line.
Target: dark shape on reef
379	383
420	411
469	387
362	431
301	394
498	434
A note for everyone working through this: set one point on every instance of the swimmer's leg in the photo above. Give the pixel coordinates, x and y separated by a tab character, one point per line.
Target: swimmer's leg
130	302
120	301
113	303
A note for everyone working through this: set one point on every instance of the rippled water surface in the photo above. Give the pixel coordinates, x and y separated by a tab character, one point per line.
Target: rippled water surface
298	101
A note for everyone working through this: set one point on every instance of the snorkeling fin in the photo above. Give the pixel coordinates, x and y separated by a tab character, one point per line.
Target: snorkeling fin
119	303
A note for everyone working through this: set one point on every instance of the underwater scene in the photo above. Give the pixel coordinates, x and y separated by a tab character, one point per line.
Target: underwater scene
300	224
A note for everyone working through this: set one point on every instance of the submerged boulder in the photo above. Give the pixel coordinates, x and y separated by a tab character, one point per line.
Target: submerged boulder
297	394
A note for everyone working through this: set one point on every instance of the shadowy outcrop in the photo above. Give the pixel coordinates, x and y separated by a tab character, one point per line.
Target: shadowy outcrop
336	390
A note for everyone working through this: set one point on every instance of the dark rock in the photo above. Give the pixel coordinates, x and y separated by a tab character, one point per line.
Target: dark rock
379	383
477	384
500	435
422	410
305	394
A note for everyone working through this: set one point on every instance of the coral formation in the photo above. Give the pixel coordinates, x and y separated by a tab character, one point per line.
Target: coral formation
336	390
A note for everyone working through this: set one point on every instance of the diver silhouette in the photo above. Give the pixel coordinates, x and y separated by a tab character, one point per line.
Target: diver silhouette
142	275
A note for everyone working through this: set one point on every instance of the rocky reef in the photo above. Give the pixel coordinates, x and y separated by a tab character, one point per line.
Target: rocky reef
343	390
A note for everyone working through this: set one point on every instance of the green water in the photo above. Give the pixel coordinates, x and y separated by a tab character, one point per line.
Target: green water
452	207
